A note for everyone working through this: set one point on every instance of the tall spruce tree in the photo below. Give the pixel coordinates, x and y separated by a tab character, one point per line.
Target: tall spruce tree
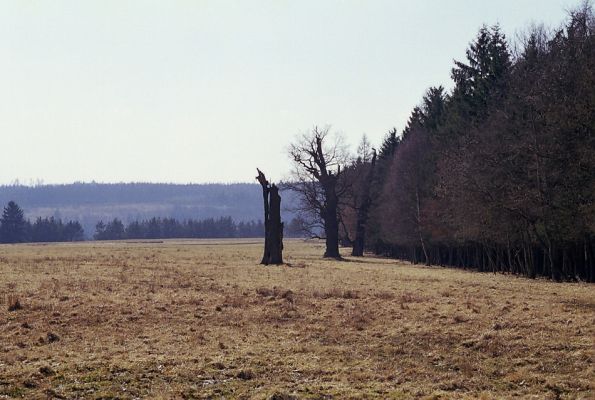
13	228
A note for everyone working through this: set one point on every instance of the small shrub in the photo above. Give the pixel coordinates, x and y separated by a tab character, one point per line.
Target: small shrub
218	365
289	296
245	375
52	337
30	384
47	371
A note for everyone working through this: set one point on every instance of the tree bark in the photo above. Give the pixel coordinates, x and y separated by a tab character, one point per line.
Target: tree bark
331	226
273	227
265	196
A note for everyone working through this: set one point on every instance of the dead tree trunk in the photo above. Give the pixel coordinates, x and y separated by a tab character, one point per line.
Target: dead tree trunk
273	227
265	196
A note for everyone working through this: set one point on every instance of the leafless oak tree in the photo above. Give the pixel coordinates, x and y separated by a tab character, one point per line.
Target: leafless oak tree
319	158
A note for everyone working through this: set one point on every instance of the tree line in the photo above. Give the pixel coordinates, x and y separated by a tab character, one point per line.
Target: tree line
91	202
14	228
496	174
169	228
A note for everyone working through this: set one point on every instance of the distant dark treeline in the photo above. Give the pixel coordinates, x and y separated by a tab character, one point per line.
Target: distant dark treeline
168	228
92	202
14	228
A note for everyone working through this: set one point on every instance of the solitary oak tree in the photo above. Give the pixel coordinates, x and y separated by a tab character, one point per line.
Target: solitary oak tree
319	160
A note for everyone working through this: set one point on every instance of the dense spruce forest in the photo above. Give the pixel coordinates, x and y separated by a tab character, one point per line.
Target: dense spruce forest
496	174
14	228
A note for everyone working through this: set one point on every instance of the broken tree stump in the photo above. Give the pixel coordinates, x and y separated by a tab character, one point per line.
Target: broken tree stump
273	227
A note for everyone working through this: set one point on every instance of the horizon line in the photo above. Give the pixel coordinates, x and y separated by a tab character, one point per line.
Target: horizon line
18	183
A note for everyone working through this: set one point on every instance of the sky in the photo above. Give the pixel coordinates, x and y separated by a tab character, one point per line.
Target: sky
206	91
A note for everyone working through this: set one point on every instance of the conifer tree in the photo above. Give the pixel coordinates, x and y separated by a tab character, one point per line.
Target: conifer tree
13	228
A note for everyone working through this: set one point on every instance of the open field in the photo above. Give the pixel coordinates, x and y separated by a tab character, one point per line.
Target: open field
190	319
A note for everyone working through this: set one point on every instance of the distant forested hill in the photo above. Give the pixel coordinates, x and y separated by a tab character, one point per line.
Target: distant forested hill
90	202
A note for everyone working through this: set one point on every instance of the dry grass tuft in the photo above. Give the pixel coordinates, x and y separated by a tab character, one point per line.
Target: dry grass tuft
335	293
14	304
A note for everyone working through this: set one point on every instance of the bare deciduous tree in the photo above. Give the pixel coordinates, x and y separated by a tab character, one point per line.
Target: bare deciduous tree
319	159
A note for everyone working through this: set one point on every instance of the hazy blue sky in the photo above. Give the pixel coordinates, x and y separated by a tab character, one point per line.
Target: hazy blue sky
205	91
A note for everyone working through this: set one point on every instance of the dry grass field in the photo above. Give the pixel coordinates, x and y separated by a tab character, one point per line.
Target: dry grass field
201	319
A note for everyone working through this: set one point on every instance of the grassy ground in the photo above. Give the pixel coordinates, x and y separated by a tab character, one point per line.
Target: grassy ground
191	319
